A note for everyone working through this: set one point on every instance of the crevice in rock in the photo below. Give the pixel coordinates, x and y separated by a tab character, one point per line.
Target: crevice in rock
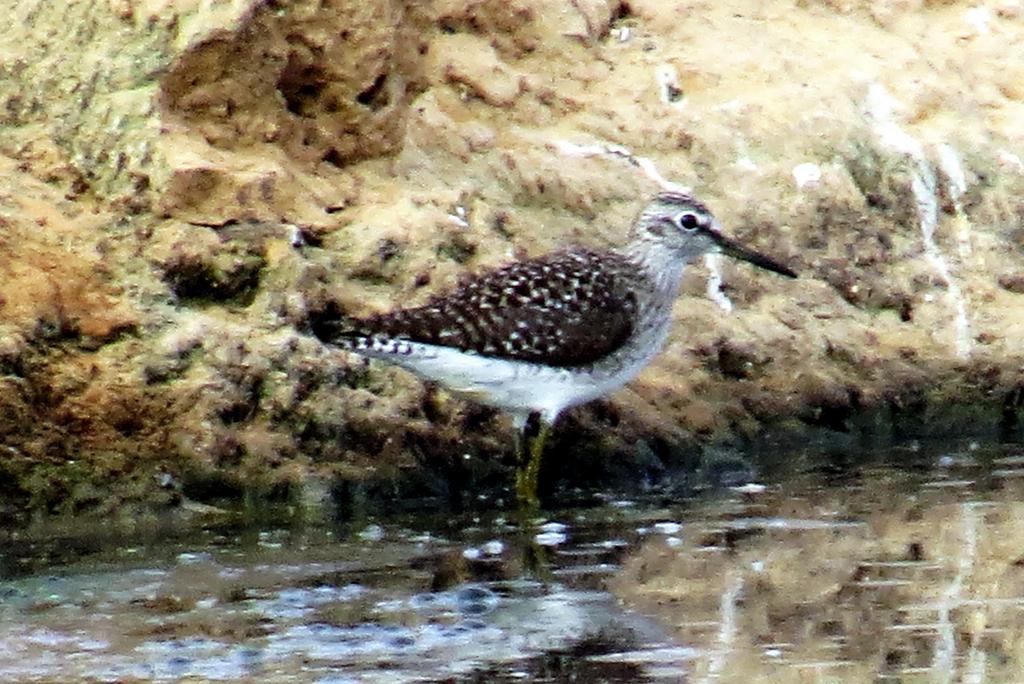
301	86
376	96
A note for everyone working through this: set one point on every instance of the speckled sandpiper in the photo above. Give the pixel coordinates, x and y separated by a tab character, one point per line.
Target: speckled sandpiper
536	337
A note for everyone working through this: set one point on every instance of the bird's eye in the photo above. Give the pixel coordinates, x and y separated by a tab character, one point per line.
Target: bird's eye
688	221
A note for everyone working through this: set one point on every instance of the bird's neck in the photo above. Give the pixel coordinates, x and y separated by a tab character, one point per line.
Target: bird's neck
660	267
653	276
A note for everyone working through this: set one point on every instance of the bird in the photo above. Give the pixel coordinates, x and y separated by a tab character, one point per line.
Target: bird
536	337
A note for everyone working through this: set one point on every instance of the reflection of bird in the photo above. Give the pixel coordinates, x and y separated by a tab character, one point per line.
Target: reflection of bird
539	336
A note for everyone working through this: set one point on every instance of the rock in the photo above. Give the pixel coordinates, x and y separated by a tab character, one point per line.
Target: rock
204	109
1013	282
187	186
471	62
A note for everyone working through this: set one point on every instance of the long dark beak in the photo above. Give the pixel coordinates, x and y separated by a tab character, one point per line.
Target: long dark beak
738	251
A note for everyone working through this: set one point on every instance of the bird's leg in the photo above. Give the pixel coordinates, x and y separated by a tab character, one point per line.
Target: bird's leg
530	450
531	433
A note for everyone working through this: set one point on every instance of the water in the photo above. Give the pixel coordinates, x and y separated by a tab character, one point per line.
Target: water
903	565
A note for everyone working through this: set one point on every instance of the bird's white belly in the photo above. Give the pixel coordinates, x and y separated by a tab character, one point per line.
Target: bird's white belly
518	387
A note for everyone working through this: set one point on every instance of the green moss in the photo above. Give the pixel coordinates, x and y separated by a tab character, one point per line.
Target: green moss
231	278
457	248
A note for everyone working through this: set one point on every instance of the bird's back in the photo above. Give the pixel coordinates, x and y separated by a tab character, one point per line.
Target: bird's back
570	308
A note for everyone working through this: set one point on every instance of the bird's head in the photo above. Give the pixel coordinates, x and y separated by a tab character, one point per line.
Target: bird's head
685	226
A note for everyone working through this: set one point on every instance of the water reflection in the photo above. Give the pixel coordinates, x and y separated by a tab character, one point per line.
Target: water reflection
906	567
903	574
384	602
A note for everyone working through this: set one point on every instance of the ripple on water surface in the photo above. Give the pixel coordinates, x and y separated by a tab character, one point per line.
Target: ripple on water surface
396	605
477	601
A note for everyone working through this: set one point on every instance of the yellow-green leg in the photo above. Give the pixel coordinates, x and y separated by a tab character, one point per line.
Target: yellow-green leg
531	435
531	451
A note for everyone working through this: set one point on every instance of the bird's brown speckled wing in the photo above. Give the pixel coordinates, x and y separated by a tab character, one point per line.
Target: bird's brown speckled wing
569	308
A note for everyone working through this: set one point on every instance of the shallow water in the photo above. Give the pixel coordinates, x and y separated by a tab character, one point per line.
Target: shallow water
904	565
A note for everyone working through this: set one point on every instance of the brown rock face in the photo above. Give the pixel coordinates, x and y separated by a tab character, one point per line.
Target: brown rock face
185	183
322	81
62	308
